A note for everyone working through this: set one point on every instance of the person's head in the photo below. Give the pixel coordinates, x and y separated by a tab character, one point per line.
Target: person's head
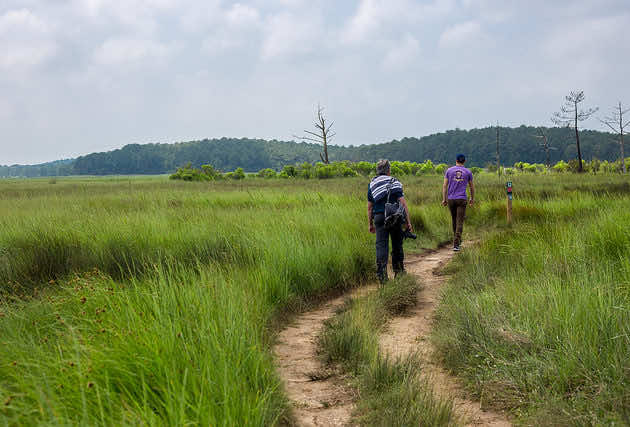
461	159
382	167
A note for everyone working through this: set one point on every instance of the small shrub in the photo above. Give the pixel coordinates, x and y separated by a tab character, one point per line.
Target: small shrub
239	173
266	173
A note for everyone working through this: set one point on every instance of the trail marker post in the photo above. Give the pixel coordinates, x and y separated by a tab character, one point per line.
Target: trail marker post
508	187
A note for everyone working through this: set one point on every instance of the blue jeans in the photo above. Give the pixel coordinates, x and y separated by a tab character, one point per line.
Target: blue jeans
382	248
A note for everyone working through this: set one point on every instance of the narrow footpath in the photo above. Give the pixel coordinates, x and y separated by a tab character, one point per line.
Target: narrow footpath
410	333
322	397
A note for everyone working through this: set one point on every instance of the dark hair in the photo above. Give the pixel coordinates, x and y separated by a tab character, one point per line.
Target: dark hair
460	158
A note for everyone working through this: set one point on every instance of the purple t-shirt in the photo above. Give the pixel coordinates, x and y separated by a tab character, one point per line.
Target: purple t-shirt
458	178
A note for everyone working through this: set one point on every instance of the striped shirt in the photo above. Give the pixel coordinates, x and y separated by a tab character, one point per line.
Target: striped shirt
377	192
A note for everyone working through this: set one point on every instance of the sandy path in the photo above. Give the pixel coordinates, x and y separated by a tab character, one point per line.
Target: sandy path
408	334
320	397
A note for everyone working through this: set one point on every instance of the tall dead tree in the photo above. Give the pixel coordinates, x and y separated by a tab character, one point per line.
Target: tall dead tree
323	135
545	144
569	116
498	153
615	122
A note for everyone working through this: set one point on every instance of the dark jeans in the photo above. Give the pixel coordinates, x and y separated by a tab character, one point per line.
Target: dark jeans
382	248
458	213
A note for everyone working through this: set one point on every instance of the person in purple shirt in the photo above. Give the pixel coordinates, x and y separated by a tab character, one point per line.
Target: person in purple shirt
456	179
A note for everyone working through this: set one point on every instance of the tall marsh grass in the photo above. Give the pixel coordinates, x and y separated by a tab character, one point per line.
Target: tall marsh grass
142	301
537	319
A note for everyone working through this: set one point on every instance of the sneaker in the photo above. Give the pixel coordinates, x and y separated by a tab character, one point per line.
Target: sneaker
456	248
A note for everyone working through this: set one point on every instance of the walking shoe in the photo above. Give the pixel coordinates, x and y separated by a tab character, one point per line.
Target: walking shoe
456	248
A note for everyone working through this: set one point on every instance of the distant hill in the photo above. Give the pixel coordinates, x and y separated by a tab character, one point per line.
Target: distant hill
517	144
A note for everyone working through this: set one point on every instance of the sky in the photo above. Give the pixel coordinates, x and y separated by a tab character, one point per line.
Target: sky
83	76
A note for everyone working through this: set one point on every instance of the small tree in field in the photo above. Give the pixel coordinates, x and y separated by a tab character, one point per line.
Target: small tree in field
322	135
545	144
570	114
616	123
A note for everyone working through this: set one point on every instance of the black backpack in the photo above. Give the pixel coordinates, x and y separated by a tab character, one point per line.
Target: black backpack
394	212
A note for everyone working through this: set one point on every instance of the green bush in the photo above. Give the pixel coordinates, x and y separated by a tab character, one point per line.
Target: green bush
365	168
289	171
426	168
188	173
266	173
441	168
239	173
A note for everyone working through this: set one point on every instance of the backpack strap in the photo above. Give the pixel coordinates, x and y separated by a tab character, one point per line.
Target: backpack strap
389	188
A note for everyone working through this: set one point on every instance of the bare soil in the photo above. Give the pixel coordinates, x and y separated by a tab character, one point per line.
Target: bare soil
409	334
320	396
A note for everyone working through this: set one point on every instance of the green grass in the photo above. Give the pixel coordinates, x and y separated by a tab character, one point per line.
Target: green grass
144	301
537	320
135	300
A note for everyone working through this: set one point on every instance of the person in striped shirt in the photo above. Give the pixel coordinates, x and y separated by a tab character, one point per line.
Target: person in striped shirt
377	196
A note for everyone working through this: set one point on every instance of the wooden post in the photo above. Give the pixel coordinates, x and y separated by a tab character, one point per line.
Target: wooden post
508	186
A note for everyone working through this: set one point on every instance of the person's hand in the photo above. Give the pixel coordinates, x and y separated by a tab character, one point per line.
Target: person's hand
471	201
372	228
409	227
444	203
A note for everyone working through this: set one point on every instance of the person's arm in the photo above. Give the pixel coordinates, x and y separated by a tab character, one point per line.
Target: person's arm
472	192
403	202
444	191
370	206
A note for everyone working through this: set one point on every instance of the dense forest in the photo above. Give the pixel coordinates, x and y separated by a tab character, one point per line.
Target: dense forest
516	144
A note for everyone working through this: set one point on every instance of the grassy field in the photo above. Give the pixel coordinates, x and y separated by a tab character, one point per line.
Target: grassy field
537	318
148	301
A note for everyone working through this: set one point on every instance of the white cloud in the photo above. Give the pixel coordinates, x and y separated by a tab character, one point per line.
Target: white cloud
220	42
402	53
365	21
496	11
25	39
376	18
122	7
21	20
128	50
243	16
233	28
589	37
460	34
287	34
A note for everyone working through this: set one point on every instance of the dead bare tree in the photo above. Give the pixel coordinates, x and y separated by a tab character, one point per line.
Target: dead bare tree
569	116
498	156
545	144
323	135
615	122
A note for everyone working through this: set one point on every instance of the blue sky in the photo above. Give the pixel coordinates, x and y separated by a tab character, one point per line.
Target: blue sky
79	76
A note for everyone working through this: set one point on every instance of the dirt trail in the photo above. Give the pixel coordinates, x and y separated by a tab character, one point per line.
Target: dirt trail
320	397
408	334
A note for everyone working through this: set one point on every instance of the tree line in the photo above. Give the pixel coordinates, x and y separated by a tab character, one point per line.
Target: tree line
227	154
